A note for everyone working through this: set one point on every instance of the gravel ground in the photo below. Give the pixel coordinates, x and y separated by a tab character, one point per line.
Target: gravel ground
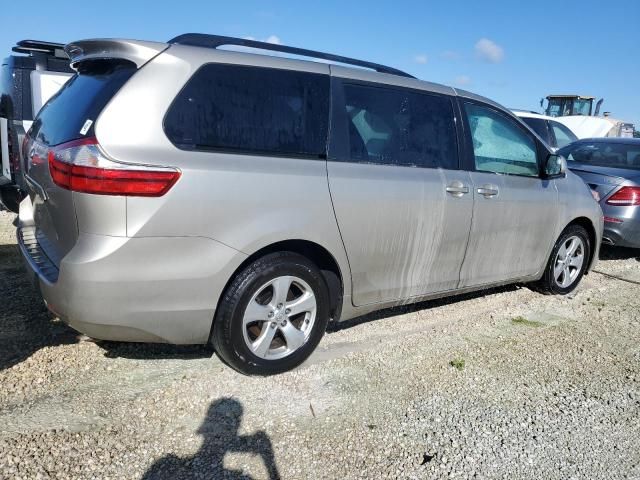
505	384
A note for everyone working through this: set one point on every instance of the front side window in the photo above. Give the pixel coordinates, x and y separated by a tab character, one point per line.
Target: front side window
563	135
394	126
499	144
251	109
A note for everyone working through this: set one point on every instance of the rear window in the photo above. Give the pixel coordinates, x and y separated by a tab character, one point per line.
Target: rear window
602	154
71	113
251	109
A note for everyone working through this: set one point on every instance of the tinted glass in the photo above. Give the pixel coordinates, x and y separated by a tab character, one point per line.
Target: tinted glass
499	144
81	99
601	154
556	108
582	107
563	135
6	89
539	126
264	110
395	126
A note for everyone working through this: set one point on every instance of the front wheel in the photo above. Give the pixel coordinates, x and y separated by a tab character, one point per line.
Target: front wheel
272	316
567	263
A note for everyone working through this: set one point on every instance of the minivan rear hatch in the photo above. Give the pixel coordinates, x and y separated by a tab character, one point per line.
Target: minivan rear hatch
69	116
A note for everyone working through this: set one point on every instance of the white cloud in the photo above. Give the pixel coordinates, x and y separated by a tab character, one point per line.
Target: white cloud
273	39
421	58
462	80
489	51
270	39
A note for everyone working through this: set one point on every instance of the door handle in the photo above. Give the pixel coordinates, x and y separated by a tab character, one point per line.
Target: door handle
457	188
488	190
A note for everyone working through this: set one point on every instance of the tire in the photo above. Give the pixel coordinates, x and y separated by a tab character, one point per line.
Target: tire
10	197
253	330
561	284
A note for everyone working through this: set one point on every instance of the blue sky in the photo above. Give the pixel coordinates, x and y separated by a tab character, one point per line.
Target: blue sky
512	52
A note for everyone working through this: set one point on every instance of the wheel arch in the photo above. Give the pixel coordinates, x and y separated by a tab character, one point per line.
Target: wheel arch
585	223
315	252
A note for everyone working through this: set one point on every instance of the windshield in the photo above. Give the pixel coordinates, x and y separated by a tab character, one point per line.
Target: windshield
560	107
601	154
582	107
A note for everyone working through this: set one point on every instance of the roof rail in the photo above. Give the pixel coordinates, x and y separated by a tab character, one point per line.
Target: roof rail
215	41
32	47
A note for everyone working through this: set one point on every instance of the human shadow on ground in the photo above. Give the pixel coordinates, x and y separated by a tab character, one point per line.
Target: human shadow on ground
220	432
26	325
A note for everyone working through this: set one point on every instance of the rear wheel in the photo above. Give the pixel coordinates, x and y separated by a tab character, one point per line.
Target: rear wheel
567	263
272	316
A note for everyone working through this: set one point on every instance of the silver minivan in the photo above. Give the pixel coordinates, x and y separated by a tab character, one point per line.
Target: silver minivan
181	192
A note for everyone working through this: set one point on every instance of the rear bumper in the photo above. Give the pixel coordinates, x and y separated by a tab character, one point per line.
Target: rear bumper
38	263
156	289
626	231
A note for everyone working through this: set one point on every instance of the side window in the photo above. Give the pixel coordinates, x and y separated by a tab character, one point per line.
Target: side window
563	135
395	126
539	126
262	110
499	144
583	153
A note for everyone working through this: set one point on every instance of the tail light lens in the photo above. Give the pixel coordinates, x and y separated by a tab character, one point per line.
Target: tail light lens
81	166
625	197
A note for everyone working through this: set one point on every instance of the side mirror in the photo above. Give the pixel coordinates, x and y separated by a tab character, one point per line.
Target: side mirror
555	166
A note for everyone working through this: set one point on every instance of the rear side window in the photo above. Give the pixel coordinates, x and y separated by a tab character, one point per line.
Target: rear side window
251	109
395	126
71	113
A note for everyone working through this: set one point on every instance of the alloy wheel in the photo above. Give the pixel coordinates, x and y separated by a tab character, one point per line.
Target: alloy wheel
279	317
569	261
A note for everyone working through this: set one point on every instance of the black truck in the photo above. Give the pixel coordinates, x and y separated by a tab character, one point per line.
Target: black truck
28	77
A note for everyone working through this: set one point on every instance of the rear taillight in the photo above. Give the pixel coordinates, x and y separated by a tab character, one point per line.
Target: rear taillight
82	166
625	197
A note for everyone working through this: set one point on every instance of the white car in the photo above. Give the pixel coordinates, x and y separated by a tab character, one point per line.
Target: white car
549	129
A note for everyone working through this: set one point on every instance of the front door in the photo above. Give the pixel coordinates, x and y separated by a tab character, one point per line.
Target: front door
515	211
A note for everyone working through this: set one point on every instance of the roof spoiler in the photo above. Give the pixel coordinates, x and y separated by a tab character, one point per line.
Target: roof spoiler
136	51
34	47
